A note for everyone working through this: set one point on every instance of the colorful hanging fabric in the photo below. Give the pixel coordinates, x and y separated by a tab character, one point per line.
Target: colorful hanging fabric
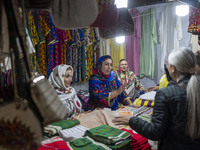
66	38
90	61
133	43
51	40
78	51
83	56
43	46
32	29
59	48
117	52
194	21
148	41
34	38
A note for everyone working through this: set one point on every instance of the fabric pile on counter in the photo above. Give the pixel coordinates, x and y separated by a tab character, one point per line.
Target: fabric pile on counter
54	144
55	128
114	138
73	133
86	143
138	142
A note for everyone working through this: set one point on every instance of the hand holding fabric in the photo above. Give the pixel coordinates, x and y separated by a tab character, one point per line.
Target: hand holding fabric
153	88
121	120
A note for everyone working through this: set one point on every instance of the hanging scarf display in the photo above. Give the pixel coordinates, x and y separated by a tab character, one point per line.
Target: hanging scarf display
54	46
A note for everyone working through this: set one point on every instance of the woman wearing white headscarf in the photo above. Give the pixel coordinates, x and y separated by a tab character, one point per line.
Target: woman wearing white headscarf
61	78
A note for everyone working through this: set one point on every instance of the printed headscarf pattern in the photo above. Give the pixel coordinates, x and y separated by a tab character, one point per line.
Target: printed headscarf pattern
97	71
129	77
101	85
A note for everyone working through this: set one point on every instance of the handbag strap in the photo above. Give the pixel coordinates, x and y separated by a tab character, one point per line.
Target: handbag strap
18	21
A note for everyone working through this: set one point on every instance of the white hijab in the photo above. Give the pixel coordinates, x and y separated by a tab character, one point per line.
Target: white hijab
56	77
65	94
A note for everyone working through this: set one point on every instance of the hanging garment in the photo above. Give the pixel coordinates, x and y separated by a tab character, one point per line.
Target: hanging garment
194	43
104	47
147	45
133	43
194	21
117	52
170	31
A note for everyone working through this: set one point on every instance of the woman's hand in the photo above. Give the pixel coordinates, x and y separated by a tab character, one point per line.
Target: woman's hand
121	120
128	102
153	88
121	88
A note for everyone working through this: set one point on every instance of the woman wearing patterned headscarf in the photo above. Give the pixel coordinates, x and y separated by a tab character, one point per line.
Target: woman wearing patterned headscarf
60	78
104	87
126	76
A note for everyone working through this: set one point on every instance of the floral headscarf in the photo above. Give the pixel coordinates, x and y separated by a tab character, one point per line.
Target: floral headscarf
120	73
97	71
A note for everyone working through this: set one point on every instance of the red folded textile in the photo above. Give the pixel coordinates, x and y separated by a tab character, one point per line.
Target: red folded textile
138	142
54	143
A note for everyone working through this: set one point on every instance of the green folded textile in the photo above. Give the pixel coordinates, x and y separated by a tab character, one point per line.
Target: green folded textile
54	128
108	135
87	143
122	146
65	124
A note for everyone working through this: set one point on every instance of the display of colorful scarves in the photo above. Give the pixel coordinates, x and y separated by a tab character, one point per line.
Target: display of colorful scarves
55	128
112	137
86	143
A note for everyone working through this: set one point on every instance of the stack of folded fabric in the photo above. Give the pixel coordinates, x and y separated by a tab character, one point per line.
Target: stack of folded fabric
138	142
114	138
73	133
55	128
86	143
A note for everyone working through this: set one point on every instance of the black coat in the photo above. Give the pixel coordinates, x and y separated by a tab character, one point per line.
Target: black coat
168	123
